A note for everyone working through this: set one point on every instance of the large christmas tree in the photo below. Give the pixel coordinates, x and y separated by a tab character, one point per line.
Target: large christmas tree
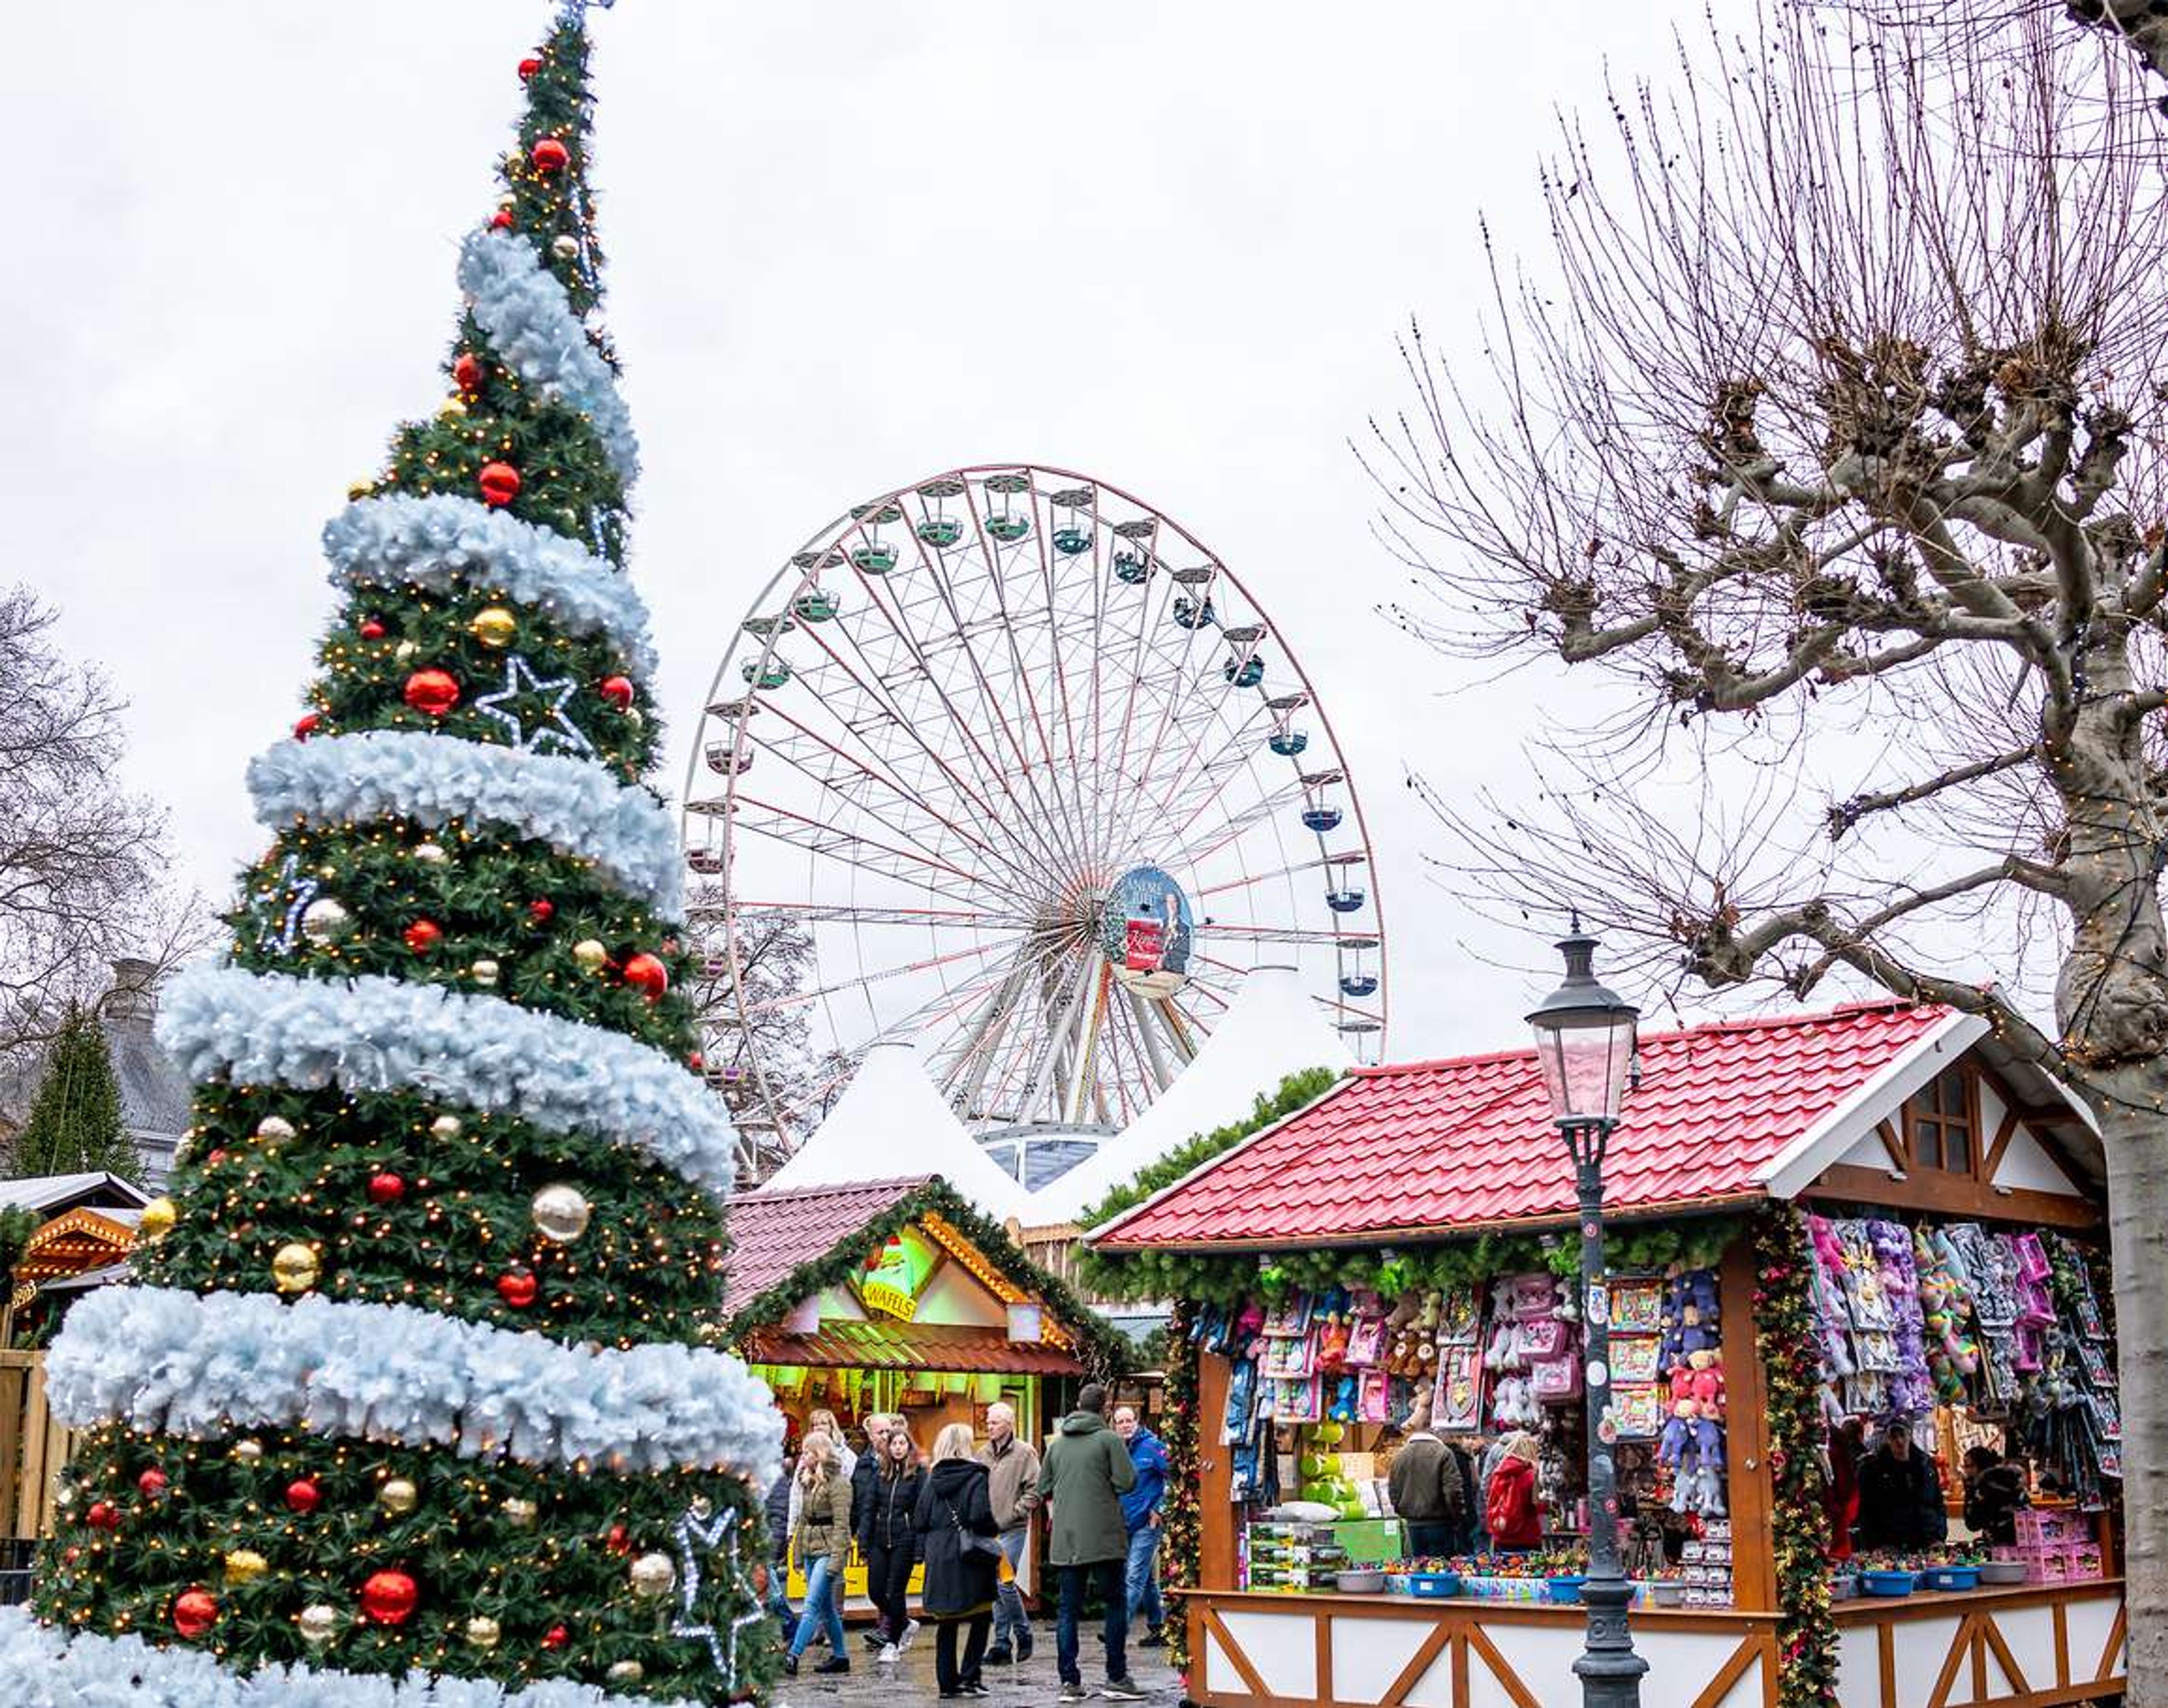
405	1384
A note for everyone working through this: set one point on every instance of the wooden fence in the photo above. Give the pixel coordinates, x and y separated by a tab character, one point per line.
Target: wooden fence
33	1447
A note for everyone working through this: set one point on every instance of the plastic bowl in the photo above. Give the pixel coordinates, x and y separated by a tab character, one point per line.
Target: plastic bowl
1564	1588
1361	1582
2002	1571
1885	1582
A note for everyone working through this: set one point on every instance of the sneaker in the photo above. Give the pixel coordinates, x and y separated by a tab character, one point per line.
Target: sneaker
835	1664
999	1655
1074	1693
886	1658
1153	1639
1121	1690
910	1630
974	1688
877	1638
1023	1645
790	1666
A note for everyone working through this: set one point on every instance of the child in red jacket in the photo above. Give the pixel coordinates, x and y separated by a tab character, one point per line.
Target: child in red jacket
1509	1505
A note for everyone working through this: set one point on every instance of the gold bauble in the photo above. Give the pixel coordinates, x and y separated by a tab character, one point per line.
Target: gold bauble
561	1212
566	245
295	1267
452	409
590	955
625	1673
483	1632
325	920
494	626
652	1575
446	1127
248	1451
319	1625
245	1566
398	1497
521	1513
508	200
405	652
634	717
485	972
430	853
360	490
275	1129
157	1219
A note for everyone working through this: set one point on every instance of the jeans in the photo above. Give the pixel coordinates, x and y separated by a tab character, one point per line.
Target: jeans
779	1596
946	1673
888	1583
1143	1578
824	1601
1430	1541
1008	1598
1105	1577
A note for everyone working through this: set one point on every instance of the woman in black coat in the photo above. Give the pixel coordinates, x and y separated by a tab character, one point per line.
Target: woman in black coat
888	1537
958	1589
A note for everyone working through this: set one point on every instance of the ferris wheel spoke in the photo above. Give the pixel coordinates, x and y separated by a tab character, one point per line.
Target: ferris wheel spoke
1237	824
838	786
797	830
1229	762
1058	651
817	913
798	999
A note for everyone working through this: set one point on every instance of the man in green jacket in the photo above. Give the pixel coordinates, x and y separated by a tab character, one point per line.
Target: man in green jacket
1085	1472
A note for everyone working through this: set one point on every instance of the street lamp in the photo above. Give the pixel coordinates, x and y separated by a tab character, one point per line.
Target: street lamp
1585	1049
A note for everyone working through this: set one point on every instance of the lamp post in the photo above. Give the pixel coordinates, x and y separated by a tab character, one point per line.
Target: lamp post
1585	1048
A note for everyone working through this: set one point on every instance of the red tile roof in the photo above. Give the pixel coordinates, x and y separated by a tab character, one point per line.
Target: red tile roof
910	1346
1443	1146
773	1233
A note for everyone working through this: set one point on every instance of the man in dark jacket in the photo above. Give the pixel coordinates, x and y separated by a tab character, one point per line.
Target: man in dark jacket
1425	1483
779	1549
1140	1510
1995	1489
1900	1495
1082	1479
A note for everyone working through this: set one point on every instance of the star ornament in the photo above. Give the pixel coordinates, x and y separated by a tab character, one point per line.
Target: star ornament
551	731
283	905
699	1533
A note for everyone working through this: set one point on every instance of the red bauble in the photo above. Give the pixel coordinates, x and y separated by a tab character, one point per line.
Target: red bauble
386	1187
695	1060
466	372
647	974
152	1482
389	1597
617	1542
215	1158
303	1496
432	691
555	1637
102	1515
551	154
195	1611
518	1288
306	724
371	630
500	483
541	910
502	219
616	690
424	935
527	67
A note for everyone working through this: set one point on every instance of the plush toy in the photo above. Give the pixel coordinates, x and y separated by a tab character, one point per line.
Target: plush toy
1344	1398
1433	1303
1501	1354
1332	1345
1707	1497
1682	1386
1706	1382
1676	1441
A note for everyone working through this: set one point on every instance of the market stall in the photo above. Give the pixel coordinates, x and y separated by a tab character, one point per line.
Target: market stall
1868	1222
898	1296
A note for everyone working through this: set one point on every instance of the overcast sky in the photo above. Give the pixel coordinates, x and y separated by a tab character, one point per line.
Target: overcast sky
851	243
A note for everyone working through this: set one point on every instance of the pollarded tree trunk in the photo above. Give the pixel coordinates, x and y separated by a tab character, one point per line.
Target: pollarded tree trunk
2137	1142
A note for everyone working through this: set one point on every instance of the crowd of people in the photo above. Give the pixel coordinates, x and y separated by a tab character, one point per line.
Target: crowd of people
963	1512
1452	1500
1889	1495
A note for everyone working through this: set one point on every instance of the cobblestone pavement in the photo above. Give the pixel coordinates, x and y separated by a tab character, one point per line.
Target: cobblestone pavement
1033	1685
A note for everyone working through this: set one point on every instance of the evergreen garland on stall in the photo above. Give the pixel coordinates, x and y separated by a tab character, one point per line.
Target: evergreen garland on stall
1787	1344
1182	1521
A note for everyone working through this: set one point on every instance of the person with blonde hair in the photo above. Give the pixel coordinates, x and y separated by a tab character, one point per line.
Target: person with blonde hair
888	1538
1510	1511
822	1539
956	1529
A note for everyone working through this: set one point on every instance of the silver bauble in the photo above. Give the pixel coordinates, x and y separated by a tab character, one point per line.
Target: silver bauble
325	920
653	1575
560	1213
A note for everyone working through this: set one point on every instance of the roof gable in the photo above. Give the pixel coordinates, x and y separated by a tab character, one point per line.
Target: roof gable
1465	1144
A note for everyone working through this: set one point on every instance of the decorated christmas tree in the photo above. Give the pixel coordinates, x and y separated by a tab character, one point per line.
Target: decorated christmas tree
408	1382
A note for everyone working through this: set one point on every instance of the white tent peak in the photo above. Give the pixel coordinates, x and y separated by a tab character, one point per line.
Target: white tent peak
889	1122
1271	1029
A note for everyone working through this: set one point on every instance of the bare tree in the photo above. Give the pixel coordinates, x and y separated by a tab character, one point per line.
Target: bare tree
1830	435
81	860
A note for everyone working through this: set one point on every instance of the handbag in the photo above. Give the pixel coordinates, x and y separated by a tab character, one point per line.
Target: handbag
970	1541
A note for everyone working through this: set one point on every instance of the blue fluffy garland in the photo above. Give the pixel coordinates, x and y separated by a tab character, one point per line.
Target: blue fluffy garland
573	804
531	325
165	1360
482	1052
46	1667
440	542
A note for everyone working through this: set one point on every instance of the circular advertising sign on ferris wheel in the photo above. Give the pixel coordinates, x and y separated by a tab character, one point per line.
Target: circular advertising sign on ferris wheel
1146	931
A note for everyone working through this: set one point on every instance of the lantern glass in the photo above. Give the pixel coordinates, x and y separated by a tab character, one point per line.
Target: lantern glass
1585	1037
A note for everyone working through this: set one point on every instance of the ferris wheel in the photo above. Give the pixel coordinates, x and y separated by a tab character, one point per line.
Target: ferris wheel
1013	768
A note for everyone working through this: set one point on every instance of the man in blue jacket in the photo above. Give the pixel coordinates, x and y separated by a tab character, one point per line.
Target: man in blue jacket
1140	1511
